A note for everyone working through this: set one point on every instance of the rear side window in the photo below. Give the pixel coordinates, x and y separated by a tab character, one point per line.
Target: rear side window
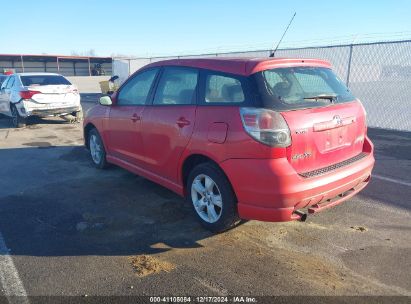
137	89
300	87
42	80
223	89
177	86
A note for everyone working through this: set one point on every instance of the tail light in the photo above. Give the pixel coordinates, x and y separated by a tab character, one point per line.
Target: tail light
73	90
266	126
28	94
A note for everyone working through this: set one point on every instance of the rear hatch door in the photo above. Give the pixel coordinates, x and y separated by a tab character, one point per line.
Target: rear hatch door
325	136
327	123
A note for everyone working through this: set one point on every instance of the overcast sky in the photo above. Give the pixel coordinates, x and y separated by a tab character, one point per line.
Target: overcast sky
160	27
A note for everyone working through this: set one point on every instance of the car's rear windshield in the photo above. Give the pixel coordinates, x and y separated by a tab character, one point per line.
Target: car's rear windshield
43	80
300	87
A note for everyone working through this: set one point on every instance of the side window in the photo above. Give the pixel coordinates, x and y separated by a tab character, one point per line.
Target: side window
4	84
177	86
223	89
136	90
10	83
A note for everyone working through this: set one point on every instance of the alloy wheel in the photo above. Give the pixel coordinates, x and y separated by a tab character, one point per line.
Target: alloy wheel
95	149
206	198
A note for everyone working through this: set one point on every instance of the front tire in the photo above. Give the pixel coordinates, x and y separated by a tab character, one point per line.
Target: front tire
16	120
97	151
212	198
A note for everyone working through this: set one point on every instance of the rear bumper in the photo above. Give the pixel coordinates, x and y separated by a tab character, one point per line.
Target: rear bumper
53	112
25	110
271	190
28	108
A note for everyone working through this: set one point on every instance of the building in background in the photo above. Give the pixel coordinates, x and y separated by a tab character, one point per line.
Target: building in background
64	65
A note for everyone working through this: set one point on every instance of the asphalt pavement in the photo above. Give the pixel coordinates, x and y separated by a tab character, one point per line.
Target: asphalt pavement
68	229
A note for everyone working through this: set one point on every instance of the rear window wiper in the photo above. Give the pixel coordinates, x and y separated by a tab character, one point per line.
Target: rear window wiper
331	98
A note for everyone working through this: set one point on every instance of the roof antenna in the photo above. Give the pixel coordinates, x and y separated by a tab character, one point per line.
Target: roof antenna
276	48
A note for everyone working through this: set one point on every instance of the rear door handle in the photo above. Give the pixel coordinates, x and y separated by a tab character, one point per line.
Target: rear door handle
182	122
135	117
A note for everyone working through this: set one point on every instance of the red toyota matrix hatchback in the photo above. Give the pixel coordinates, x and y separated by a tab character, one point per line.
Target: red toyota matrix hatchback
268	139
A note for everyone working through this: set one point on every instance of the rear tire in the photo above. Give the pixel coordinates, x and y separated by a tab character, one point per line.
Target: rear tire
97	151
16	120
213	200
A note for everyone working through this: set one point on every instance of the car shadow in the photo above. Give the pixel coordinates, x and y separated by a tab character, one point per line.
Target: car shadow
69	208
391	143
32	122
5	122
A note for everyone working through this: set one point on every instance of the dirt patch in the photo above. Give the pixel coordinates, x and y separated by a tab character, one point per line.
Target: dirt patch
309	267
359	228
32	127
70	127
379	263
213	286
289	263
145	265
49	137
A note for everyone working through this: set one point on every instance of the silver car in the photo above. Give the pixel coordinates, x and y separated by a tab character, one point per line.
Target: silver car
38	94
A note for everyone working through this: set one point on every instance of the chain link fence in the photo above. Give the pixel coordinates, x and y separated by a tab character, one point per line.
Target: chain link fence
377	73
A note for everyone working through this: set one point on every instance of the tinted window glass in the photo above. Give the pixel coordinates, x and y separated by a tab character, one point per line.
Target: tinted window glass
2	79
4	84
136	90
301	87
223	89
176	86
41	80
10	83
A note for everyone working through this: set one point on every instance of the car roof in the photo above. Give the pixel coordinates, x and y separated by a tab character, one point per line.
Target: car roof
37	74
241	65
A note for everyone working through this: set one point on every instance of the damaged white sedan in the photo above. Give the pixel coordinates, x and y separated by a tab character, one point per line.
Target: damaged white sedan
38	94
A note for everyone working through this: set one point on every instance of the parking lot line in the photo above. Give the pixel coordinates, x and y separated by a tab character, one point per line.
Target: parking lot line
392	180
9	277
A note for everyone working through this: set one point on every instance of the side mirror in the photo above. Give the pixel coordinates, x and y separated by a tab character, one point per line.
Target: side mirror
106	101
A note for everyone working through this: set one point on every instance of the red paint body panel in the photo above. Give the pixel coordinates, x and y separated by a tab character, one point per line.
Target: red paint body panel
217	133
155	141
164	139
328	146
123	133
278	190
